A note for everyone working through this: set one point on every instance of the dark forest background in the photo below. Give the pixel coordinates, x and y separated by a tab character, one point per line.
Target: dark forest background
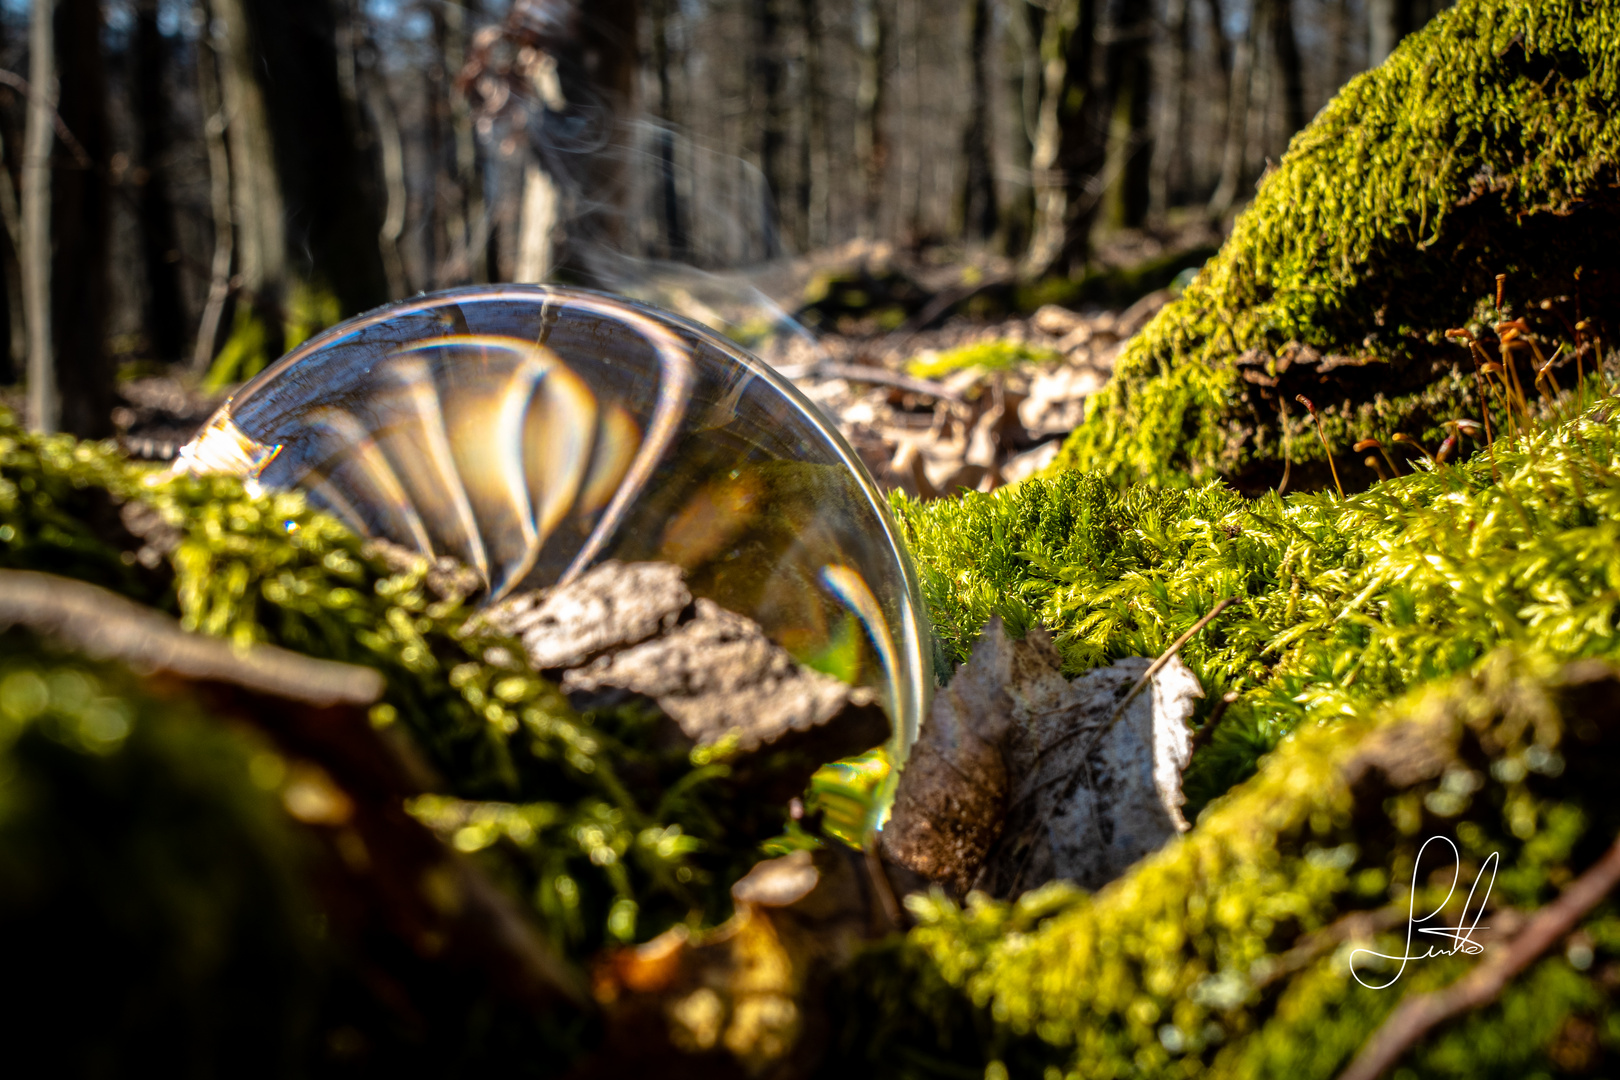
196	185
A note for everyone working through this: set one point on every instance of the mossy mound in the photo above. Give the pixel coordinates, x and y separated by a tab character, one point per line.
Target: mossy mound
1340	603
1488	144
1228	953
625	835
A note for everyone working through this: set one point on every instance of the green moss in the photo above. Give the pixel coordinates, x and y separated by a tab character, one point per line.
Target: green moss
985	355
1199	962
632	823
1488	143
1340	602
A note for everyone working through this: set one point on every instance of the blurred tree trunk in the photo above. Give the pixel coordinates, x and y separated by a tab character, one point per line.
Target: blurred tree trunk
304	195
1388	21
1237	115
669	194
470	248
1129	89
160	245
65	223
1286	45
14	332
1024	21
1171	128
871	143
768	106
815	168
210	97
976	201
1070	141
581	145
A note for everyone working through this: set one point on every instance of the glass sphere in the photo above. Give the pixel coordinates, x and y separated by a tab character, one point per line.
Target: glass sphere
532	431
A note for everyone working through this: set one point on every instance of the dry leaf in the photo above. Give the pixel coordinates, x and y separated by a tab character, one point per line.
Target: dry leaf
1022	776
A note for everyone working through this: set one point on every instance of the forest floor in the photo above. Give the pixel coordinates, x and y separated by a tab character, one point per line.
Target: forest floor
951	398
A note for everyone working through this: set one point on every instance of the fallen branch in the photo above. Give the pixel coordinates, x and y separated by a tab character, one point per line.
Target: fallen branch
1420	1014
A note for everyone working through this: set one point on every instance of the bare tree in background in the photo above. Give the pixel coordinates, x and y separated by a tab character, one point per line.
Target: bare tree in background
767	87
976	204
1170	126
1069	142
871	141
304	198
669	195
160	247
1285	45
1237	113
1128	90
815	169
65	222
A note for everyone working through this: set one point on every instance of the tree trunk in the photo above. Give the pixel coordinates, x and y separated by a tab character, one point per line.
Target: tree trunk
768	107
1070	141
160	244
871	145
816	169
1024	21
1168	153
304	194
669	194
471	250
1129	69
65	223
1286	45
976	201
1237	117
584	148
209	94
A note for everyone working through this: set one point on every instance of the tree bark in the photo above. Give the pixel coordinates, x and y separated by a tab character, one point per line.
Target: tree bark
1286	45
976	201
871	144
1129	90
1168	154
209	49
767	86
471	251
160	243
1237	116
1070	141
303	182
816	168
65	224
669	194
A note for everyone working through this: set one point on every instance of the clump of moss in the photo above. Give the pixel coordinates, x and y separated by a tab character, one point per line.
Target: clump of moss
1487	144
627	834
1228	953
984	355
1339	602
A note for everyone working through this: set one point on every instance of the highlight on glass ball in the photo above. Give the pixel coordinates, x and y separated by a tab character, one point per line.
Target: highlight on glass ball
530	432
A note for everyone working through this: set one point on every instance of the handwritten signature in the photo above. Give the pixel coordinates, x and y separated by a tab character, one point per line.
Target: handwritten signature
1461	937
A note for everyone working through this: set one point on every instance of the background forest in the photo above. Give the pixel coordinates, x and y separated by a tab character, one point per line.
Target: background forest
203	184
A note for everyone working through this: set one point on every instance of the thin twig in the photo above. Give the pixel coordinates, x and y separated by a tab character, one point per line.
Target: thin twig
80	157
1420	1014
1165	658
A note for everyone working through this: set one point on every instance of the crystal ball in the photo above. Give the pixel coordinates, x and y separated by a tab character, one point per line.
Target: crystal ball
530	432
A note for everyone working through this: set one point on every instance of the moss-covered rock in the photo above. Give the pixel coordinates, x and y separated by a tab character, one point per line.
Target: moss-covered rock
1488	144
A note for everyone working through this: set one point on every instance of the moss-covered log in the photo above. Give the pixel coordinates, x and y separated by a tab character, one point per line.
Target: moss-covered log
1229	953
1488	144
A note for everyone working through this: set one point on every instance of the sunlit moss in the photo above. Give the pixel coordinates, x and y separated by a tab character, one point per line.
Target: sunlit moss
1487	144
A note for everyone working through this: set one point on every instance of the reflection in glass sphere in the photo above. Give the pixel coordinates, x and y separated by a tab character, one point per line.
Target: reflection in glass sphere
531	431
